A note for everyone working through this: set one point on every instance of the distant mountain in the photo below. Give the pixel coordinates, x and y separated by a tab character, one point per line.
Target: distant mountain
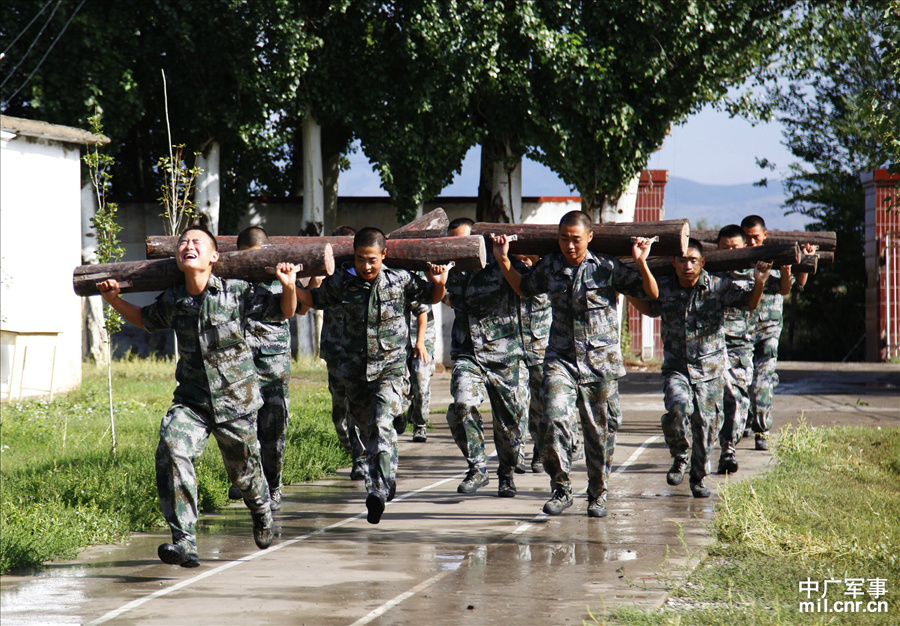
719	205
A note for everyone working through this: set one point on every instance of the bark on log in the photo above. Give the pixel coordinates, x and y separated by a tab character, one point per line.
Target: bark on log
736	259
164	247
468	253
432	224
158	274
613	239
826	240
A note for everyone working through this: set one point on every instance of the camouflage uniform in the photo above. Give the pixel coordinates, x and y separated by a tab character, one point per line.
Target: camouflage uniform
582	364
333	352
420	375
217	393
372	371
535	316
271	346
769	322
487	353
694	364
739	331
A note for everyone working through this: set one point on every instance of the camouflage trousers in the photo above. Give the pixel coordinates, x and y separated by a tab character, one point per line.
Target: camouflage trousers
271	430
692	420
272	418
420	390
372	407
531	422
183	434
736	397
566	403
765	379
347	433
469	384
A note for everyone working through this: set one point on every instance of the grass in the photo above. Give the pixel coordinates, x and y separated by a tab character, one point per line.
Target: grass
61	489
828	510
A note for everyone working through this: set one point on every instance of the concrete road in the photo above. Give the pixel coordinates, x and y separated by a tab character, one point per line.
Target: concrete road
438	557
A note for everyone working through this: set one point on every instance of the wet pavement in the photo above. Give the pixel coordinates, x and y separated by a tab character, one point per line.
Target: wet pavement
439	557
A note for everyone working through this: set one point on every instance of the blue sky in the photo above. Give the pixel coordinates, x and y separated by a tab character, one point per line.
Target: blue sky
710	148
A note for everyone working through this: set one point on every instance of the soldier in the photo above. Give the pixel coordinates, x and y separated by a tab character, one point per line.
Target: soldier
488	362
769	322
739	329
692	305
583	361
421	369
332	351
217	391
535	315
375	300
271	346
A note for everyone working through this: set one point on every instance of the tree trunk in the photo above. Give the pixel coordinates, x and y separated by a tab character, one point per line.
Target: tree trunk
313	178
251	265
416	254
735	259
500	184
611	239
93	331
826	240
208	193
624	207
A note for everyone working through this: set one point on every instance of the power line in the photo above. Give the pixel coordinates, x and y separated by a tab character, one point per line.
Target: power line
25	30
34	41
58	37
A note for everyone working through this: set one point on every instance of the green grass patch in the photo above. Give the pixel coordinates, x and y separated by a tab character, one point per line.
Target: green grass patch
61	489
829	510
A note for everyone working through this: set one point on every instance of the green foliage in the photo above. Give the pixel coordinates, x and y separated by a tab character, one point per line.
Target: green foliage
178	190
60	490
841	58
109	250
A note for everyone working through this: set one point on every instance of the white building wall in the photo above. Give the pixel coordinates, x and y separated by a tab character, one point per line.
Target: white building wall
40	245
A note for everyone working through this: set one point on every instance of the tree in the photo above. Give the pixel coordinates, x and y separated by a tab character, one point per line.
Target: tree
618	75
823	95
232	67
398	75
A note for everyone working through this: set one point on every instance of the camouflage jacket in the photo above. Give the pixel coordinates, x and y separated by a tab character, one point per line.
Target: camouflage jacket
585	326
769	317
739	324
486	325
535	316
693	323
372	335
269	340
215	371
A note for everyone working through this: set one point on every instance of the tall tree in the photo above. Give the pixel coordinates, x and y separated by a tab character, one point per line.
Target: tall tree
619	74
823	95
398	74
231	66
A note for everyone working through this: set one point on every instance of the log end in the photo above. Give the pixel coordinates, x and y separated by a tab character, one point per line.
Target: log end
328	258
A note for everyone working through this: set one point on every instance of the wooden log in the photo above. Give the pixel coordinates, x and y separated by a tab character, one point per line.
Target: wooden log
165	247
736	259
467	253
317	259
432	224
825	240
808	264
614	239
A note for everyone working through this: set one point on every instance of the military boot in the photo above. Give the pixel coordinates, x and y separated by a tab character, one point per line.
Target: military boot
675	475
474	479
183	553
507	487
263	529
699	490
597	507
560	501
727	462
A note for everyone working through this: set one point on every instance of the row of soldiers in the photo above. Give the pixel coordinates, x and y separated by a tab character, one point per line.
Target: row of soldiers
548	327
